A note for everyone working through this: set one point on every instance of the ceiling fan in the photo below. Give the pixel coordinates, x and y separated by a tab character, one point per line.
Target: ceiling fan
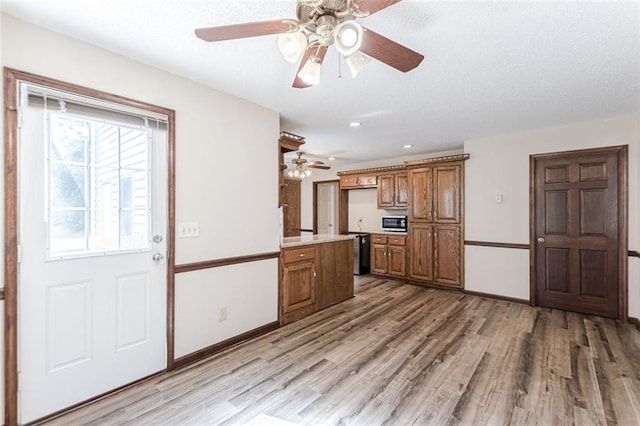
302	166
319	24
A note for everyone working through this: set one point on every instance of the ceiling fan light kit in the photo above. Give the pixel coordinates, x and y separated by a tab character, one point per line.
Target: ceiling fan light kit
319	24
292	45
310	72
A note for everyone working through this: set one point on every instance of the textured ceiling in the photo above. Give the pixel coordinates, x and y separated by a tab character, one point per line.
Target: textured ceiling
490	67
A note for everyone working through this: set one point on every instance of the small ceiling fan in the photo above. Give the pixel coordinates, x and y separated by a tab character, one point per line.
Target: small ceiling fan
319	24
302	166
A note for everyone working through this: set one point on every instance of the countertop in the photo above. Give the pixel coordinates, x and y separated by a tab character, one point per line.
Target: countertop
304	240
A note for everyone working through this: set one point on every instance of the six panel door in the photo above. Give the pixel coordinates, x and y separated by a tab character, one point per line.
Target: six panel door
576	232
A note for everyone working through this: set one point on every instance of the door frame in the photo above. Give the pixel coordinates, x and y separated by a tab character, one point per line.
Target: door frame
11	79
342	204
622	152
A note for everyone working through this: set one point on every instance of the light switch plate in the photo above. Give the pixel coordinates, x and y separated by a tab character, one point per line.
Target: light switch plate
188	230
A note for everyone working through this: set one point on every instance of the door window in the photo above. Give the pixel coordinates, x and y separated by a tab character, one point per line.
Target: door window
97	186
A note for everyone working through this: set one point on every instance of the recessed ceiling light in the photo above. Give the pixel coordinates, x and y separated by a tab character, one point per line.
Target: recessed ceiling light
331	158
407	146
355	124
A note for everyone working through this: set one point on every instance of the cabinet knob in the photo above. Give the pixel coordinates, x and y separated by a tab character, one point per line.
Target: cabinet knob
541	240
301	255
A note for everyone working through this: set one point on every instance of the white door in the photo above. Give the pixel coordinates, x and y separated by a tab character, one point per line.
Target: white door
327	212
92	296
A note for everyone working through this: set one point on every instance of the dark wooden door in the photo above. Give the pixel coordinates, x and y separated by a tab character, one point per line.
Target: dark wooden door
576	232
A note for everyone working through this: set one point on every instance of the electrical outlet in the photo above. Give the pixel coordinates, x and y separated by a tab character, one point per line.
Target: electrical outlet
499	199
188	230
222	314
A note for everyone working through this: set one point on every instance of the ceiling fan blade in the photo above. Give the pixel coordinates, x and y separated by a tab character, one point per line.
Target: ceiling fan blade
368	7
318	166
250	29
316	49
388	51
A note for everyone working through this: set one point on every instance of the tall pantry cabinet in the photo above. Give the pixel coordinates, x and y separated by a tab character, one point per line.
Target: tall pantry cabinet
436	221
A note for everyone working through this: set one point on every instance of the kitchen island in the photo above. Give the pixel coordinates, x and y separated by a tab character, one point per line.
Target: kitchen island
316	271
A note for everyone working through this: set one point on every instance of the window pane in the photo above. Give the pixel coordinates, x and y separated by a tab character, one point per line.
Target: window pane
67	185
69	138
67	228
113	168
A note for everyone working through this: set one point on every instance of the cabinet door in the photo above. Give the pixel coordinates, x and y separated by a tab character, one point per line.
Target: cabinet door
421	252
446	200
397	261
447	254
291	210
298	286
420	195
402	190
379	264
386	191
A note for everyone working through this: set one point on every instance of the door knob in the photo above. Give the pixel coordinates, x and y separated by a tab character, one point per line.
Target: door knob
157	257
541	240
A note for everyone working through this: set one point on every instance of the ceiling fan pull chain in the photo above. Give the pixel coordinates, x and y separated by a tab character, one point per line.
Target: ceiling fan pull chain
339	67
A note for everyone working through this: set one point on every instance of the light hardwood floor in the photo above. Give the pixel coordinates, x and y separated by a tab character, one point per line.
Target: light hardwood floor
398	354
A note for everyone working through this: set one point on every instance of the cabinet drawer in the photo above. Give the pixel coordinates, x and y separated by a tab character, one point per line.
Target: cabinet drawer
379	239
397	240
298	255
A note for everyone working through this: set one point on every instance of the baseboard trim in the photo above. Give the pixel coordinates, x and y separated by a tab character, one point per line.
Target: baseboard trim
216	263
497	296
219	347
459	290
496	245
78	406
634	321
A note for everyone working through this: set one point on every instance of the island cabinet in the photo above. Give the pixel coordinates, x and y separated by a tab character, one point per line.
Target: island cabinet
388	255
436	222
298	283
393	190
315	276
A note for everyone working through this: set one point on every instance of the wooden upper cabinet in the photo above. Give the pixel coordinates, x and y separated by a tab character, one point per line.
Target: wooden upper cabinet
358	181
393	190
447	197
386	191
402	190
420	195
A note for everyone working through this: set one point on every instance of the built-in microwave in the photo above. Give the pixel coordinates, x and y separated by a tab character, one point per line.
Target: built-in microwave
394	223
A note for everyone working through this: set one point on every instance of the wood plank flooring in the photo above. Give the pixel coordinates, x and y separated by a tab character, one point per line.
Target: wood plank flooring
398	354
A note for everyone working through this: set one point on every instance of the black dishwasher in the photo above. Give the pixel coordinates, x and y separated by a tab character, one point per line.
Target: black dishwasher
361	254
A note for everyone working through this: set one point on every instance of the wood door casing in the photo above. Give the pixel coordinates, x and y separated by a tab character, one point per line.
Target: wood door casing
578	231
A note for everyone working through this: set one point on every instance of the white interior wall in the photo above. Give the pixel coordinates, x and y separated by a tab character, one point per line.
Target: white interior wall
211	135
500	165
241	289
